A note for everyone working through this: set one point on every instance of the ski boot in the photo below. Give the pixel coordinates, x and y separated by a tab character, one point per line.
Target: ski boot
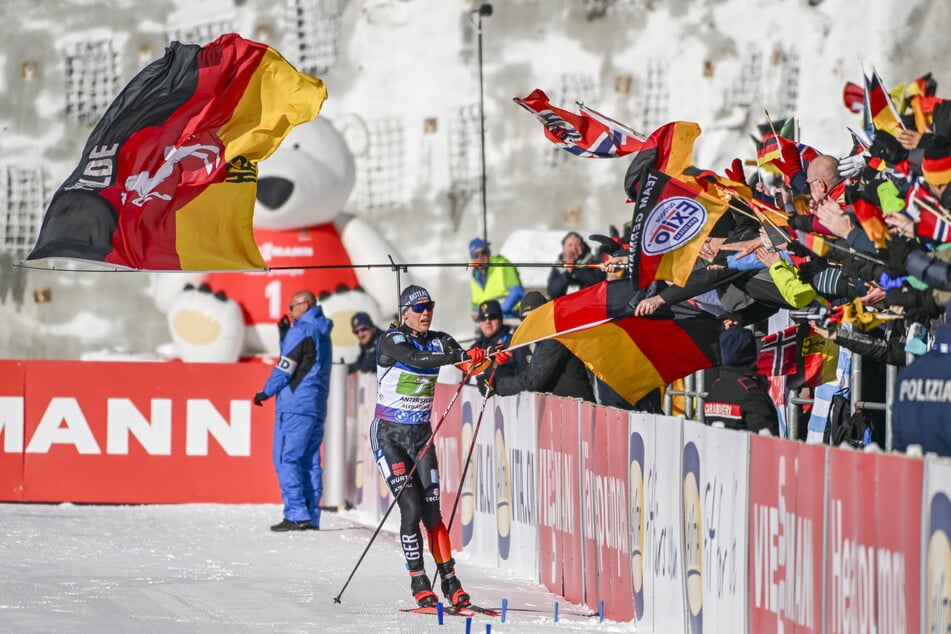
421	589
451	587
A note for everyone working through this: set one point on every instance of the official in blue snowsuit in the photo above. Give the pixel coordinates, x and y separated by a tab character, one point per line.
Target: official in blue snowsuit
301	381
921	414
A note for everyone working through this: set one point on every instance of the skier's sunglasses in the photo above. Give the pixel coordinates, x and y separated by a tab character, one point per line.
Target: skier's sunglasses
423	307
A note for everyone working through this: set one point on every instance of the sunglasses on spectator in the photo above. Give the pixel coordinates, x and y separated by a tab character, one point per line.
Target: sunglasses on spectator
423	307
479	253
360	329
489	317
291	307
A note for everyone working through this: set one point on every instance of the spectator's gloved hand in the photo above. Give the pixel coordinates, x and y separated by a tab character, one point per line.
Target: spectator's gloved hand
789	162
907	297
282	327
260	397
898	249
928	310
735	171
888	148
800	222
852	166
861	268
485	388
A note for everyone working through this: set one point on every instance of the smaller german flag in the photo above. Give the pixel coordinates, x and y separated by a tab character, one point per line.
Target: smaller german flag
872	221
814	242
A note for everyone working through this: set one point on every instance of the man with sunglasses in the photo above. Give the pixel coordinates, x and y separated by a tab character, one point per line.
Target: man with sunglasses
367	334
408	358
494	335
301	381
493	277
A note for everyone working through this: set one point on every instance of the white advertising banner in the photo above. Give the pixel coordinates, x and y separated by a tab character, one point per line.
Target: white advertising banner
333	450
663	581
715	504
477	508
516	449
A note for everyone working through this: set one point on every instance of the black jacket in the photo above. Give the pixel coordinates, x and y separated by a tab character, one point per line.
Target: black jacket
366	362
501	340
562	279
554	370
739	399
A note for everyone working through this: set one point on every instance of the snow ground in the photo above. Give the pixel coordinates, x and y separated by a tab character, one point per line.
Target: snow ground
217	568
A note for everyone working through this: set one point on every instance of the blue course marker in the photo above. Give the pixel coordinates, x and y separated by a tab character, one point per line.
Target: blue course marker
488	628
439	614
556	611
468	625
601	611
505	607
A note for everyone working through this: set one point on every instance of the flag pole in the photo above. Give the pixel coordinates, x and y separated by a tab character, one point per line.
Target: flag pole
592	324
484	10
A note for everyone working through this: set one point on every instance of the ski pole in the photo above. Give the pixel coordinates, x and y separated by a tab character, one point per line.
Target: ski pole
475	434
409	478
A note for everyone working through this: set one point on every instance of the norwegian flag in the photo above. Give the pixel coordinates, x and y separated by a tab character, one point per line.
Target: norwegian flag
932	220
779	353
589	134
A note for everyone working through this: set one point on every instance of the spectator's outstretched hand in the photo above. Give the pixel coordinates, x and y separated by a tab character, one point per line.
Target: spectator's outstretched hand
834	219
852	166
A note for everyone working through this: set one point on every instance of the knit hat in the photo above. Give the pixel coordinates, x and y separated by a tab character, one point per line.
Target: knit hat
737	347
477	244
936	163
531	301
490	309
360	319
413	294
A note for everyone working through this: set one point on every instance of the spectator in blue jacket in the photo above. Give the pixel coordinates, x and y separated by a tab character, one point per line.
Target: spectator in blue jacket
301	381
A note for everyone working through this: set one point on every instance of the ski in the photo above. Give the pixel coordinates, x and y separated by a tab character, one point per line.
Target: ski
485	611
449	609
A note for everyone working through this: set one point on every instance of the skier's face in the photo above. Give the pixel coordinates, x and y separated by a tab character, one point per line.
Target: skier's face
419	316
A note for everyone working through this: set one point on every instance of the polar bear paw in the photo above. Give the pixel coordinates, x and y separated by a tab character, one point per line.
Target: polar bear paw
206	327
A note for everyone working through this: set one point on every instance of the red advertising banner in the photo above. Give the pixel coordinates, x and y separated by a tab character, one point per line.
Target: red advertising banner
898	549
850	564
610	471
785	527
12	386
559	524
146	433
452	443
590	447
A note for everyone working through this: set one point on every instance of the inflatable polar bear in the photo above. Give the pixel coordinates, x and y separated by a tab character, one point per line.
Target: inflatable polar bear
302	189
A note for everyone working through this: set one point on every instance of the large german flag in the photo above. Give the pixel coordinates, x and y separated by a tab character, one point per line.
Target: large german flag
168	177
633	355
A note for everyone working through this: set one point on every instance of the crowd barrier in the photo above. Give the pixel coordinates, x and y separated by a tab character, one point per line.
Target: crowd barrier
674	525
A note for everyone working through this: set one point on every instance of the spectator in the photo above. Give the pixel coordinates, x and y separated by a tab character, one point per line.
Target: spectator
409	359
494	335
301	381
367	334
739	396
553	369
578	268
921	415
493	277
